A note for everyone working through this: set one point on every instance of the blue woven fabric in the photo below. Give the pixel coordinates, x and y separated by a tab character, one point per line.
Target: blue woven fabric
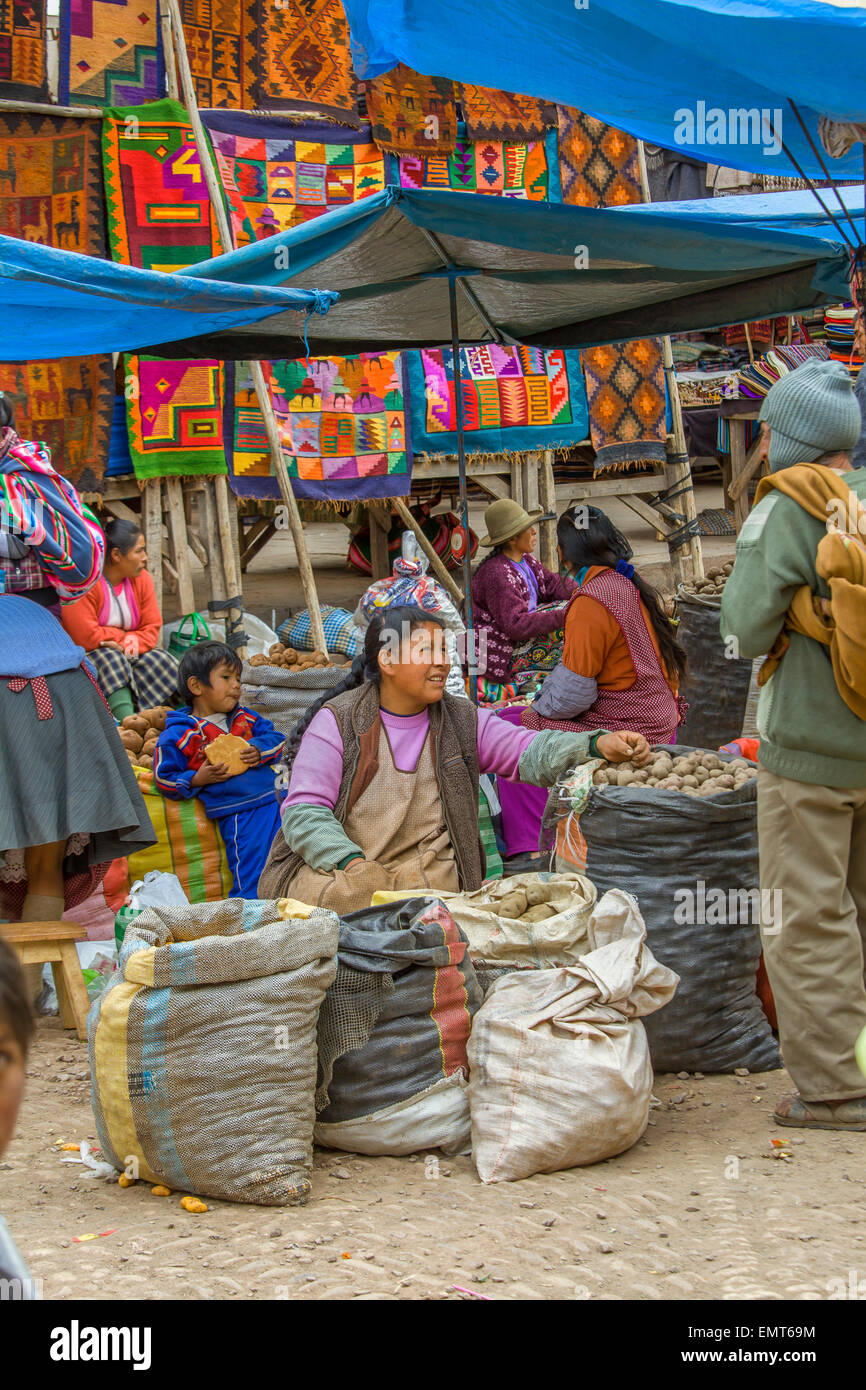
341	635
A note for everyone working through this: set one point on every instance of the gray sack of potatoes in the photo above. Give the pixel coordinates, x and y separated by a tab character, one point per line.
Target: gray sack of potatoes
283	694
717	685
652	843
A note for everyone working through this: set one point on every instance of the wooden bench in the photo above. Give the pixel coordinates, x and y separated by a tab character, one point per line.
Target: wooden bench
54	942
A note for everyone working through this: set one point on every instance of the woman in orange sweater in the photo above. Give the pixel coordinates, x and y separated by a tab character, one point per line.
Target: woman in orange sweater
118	622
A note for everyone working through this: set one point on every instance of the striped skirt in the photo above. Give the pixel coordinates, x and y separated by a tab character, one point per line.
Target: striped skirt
152	677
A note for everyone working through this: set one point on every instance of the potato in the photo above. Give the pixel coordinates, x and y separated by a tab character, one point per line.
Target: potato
137	723
194	1204
539	913
259	660
688	781
513	905
662	767
145	760
701	774
624	778
276	649
711	762
640	777
536	893
156	717
725	781
290	656
131	740
601	778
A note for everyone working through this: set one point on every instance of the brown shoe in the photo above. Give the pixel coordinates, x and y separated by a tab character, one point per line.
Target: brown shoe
821	1114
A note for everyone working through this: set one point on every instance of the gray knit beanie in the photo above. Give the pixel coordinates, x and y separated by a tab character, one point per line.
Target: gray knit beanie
811	411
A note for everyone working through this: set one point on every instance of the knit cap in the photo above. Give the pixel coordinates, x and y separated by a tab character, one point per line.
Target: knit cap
811	411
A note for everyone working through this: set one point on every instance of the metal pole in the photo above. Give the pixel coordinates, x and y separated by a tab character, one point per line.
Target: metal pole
464	500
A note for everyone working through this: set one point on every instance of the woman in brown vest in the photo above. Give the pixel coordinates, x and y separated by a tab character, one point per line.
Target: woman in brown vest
384	774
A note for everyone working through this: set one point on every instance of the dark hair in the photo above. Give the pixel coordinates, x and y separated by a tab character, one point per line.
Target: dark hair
598	542
15	1010
120	535
200	660
7	414
390	622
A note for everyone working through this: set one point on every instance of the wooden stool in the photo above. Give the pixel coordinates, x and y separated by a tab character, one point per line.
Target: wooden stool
38	942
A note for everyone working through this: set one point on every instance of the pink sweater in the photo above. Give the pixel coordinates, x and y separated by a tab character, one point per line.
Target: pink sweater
318	766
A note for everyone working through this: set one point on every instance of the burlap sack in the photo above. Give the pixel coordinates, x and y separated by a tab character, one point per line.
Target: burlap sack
203	1054
282	695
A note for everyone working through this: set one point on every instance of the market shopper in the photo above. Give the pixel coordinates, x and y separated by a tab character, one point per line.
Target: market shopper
517	603
621	664
384	774
812	725
118	624
69	802
51	548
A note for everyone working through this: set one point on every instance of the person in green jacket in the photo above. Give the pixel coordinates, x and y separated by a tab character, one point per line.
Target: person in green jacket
812	775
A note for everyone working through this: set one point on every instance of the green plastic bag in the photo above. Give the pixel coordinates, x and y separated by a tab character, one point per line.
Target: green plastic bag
122	921
181	641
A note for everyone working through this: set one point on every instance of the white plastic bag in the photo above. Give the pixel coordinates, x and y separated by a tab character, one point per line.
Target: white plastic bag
560	1065
157	889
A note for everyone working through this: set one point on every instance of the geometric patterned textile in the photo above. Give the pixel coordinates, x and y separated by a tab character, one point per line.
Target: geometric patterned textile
23	74
246	439
159	213
343	425
411	114
175	420
494	115
221	44
68	404
303	58
625	389
488	166
51	182
276	176
110	52
514	398
598	164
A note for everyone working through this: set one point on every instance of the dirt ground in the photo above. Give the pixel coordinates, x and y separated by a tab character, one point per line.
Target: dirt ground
698	1209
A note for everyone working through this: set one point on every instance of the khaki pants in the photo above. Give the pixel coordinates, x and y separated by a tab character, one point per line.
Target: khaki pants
812	844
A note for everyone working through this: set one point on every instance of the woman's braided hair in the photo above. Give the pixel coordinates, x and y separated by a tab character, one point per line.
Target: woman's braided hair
388	625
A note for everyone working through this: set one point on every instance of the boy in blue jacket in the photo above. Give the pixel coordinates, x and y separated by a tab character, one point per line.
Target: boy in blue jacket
244	805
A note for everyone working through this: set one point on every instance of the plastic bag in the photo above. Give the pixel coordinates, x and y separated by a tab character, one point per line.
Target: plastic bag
157	889
560	1065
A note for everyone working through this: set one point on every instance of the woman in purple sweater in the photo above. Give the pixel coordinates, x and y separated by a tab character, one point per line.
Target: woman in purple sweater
517	603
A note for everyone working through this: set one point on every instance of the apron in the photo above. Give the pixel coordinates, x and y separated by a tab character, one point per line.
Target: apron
399	824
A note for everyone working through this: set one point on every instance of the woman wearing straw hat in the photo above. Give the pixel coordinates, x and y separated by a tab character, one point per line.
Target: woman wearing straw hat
516	602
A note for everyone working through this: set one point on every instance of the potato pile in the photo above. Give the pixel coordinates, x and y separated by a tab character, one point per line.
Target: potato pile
139	733
526	904
694	774
713	582
278	655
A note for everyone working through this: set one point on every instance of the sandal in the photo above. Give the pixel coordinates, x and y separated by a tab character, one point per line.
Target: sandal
821	1114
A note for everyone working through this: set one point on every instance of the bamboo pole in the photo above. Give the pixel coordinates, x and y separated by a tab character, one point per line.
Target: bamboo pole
168	53
215	192
41	108
438	568
686	561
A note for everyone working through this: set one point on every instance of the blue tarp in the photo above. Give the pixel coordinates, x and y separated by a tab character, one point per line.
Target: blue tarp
641	64
61	304
535	273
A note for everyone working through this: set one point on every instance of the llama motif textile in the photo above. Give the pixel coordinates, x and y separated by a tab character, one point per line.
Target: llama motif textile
495	115
221	45
514	398
411	114
625	389
159	213
23	73
175	417
598	164
110	52
343	425
304	59
51	182
277	177
67	403
488	166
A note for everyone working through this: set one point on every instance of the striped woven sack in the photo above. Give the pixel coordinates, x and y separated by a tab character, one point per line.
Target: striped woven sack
203	1052
188	845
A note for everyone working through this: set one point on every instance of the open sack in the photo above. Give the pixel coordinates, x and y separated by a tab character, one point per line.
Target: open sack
560	1070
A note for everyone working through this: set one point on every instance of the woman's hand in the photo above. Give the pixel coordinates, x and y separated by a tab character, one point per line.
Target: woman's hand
111	645
624	746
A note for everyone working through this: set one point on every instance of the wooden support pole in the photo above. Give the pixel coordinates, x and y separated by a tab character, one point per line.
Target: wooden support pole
517	480
151	506
547	500
179	546
171	87
436	564
739	490
227	529
380	524
215	192
686	560
216	578
41	108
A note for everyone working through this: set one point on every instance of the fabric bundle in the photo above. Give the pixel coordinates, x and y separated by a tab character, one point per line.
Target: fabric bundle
493	115
752	382
625	390
110	53
411	114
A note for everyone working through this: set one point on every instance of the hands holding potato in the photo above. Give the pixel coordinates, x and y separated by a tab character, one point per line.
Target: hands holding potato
624	747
